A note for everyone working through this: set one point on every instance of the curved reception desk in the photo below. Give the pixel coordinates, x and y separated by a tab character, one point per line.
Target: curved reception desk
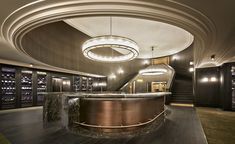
105	114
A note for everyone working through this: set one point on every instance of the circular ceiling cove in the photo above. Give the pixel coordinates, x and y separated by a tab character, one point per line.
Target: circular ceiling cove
165	38
166	25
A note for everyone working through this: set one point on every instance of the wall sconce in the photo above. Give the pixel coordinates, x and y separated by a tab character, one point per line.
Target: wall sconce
112	76
191	63
213	79
120	71
146	62
205	79
175	57
212	57
191	69
66	82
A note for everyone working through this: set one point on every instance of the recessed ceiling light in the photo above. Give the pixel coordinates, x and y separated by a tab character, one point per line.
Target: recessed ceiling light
212	57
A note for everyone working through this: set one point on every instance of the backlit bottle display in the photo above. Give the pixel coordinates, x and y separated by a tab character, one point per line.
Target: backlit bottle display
233	88
8	87
41	86
26	88
77	83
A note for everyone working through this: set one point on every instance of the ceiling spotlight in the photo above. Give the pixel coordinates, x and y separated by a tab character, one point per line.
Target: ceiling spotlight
212	57
31	65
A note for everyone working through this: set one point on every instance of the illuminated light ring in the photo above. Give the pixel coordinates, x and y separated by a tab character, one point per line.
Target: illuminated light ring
109	42
152	71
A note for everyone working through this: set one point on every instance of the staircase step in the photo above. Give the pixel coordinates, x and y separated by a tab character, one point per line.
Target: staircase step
181	97
182	94
182	101
182	91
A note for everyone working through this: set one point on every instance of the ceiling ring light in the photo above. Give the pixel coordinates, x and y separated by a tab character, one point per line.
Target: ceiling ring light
110	41
152	71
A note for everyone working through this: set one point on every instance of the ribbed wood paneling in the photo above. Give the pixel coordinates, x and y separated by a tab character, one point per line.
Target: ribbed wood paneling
59	44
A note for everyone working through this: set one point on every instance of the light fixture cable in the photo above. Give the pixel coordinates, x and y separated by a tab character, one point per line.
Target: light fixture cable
152	70
111	27
110	41
152	54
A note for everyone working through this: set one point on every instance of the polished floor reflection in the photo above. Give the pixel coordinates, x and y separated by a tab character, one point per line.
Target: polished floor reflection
181	126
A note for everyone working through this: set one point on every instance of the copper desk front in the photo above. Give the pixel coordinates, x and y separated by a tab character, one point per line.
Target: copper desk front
114	114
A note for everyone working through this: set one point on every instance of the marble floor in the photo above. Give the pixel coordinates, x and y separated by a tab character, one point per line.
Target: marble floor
25	126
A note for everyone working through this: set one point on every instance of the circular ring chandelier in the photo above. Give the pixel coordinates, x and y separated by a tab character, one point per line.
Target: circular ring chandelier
110	41
152	71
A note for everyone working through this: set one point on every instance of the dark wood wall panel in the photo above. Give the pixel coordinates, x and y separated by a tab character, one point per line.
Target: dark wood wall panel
180	62
207	92
59	44
226	86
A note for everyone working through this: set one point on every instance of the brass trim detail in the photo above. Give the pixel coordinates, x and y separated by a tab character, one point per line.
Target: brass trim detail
122	126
